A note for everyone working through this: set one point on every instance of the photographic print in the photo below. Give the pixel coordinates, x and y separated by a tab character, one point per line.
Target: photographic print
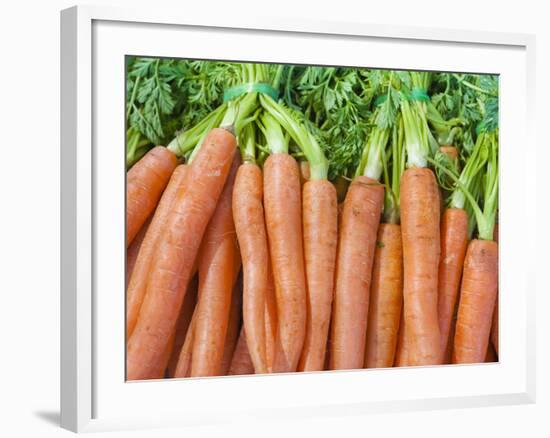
297	218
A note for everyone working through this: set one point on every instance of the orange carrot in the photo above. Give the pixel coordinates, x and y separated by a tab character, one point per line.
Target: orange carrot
494	326
233	327
282	202
133	250
320	217
477	302
356	247
183	366
248	213
448	358
176	251
401	351
184	321
304	172
145	182
137	285
216	278
421	250
454	240
450	151
241	363
386	298
270	318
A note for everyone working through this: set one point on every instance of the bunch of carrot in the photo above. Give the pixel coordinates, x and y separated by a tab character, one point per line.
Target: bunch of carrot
242	260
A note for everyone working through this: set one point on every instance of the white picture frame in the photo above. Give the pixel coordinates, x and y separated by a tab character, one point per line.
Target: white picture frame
94	396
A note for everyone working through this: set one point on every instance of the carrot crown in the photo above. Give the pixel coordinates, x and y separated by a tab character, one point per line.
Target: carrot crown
394	165
305	140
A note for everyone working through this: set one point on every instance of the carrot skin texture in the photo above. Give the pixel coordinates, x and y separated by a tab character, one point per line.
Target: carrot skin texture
248	213
386	299
270	318
233	327
320	228
477	302
183	324
133	250
454	240
420	217
176	251
494	326
356	246
137	285
217	272
145	182
305	173
283	212
401	350
183	366
241	363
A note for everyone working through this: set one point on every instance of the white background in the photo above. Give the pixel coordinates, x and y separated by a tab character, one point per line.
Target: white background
29	219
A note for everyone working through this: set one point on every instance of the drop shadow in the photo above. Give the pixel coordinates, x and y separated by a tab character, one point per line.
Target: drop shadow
51	417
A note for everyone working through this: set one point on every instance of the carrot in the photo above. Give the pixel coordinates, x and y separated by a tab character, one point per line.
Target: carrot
386	298
182	326
450	151
176	251
454	240
401	351
320	217
282	202
421	250
494	326
145	182
448	357
183	366
248	214
270	318
304	172
233	326
137	285
216	277
356	247
133	250
241	362
477	302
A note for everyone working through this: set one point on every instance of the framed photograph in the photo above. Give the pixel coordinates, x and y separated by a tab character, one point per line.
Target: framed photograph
264	208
